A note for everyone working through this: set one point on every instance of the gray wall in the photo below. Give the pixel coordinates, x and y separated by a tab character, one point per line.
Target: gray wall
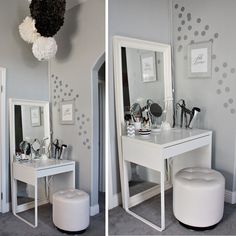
205	20
26	77
81	43
148	20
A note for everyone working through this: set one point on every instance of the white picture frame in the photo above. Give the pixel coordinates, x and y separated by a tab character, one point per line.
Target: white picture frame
148	67
35	116
199	60
67	113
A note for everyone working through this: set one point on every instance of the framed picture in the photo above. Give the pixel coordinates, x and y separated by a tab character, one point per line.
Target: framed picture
148	67
199	60
35	116
67	113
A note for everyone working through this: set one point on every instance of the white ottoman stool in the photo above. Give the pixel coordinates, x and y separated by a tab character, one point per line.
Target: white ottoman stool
198	197
71	210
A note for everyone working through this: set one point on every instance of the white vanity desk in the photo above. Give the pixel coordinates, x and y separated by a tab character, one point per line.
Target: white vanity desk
189	147
29	172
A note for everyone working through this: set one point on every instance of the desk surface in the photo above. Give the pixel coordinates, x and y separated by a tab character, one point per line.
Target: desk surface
43	164
172	137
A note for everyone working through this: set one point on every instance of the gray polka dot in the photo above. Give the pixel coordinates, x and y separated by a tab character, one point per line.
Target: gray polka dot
83	122
69	94
76	109
65	94
179	29
207	27
77	95
218	91
61	90
83	115
84	143
185	37
220	82
78	118
80	133
55	90
159	62
231	100
226	105
189	15
199	20
89	147
203	33
88	119
192	42
211	40
179	38
182	22
87	140
213	57
216	35
176	6
56	77
196	33
225	64
224	75
66	85
71	90
232	70
57	86
189	27
180	48
58	96
55	81
182	8
232	111
52	75
80	127
217	69
62	99
85	132
227	89
180	15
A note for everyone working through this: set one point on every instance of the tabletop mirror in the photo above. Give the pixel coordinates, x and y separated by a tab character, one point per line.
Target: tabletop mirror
143	91
29	135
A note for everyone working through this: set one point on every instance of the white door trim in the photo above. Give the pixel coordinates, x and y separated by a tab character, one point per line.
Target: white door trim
3	145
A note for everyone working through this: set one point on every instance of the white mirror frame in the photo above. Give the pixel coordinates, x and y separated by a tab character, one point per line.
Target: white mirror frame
47	131
118	43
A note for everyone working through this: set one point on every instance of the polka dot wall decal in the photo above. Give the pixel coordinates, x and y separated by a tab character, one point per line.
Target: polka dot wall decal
55	90
203	33
185	37
61	90
69	94
176	6
76	109
189	15
55	81
80	127
227	89
213	57
88	119
199	20
180	15
58	96
196	33
71	90
52	75
218	91
180	48
217	69
216	35
57	86
232	111
182	8
159	62
207	27
224	75
85	132
182	22
189	27
232	70
56	77
220	82
179	38
87	140
78	118
83	122
80	133
89	147
179	29
192	41
77	95
231	100
65	94
84	143
226	105
62	99
225	64
83	115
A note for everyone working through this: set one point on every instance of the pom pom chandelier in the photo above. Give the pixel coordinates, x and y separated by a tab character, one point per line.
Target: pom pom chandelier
47	17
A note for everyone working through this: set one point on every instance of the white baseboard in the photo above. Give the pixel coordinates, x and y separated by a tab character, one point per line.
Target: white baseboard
115	201
230	197
94	210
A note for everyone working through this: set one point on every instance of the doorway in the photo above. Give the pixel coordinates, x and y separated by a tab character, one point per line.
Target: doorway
4	204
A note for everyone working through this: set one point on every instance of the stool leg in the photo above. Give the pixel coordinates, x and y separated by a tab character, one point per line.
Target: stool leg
162	200
36	204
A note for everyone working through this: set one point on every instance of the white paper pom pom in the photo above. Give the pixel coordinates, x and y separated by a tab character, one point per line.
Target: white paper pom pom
28	31
44	48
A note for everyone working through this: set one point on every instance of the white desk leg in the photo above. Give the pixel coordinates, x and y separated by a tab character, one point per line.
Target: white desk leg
36	203
14	195
162	182
126	186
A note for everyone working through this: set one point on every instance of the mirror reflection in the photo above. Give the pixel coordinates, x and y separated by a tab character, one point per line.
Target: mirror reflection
143	98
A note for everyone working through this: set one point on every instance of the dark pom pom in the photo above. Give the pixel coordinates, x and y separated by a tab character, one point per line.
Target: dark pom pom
48	15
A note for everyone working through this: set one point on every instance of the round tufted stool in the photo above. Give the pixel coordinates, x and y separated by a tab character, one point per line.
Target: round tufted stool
198	197
71	210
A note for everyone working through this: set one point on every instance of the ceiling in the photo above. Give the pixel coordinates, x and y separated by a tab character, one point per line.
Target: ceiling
71	3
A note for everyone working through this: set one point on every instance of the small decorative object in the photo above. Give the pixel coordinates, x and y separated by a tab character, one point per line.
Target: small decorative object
67	113
44	48
27	30
35	116
130	130
49	15
148	67
199	60
144	132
